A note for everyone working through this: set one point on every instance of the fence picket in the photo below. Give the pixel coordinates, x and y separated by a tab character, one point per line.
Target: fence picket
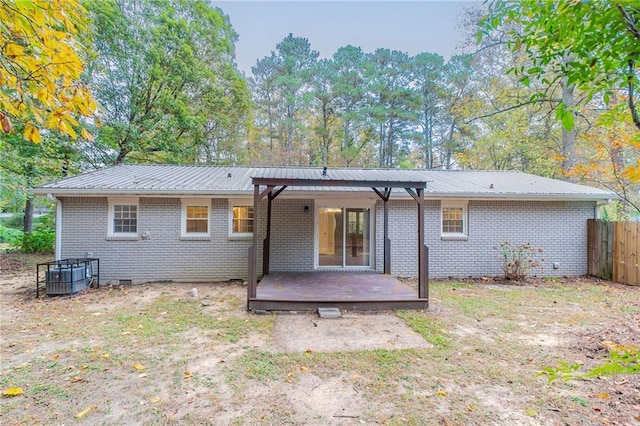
612	251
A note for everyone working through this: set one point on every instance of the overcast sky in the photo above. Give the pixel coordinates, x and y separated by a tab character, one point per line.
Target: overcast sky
410	26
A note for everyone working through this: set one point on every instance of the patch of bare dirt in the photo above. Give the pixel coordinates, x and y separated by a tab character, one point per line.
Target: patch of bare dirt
155	354
352	332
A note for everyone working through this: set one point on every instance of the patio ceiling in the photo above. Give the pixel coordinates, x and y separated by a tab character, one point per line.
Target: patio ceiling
276	180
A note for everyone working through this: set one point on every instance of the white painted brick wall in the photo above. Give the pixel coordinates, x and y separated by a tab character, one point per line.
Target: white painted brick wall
292	239
557	227
163	256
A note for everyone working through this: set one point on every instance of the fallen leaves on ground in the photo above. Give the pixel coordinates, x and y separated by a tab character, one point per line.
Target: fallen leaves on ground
86	411
12	392
10	265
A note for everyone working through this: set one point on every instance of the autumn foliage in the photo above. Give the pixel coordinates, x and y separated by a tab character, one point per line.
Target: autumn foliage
41	66
610	154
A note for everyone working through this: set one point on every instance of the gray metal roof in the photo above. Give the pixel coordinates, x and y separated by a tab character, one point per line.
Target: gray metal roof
158	180
309	176
151	179
392	175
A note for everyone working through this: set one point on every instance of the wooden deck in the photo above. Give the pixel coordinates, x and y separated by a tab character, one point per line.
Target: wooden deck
345	290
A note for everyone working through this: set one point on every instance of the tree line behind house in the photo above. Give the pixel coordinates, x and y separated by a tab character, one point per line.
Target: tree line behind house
167	90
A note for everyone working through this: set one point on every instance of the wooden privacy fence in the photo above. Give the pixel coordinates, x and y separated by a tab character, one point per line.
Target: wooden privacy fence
613	249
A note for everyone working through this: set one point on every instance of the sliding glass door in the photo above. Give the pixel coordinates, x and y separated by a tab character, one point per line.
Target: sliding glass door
344	237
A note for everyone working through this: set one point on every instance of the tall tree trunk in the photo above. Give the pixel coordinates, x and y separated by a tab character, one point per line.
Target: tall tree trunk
346	141
325	136
427	137
390	147
125	148
617	161
290	124
122	154
381	150
631	98
428	149
568	136
449	148
27	223
271	131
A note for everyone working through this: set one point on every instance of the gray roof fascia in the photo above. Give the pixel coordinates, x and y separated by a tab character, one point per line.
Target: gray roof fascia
301	193
296	193
338	182
522	197
84	192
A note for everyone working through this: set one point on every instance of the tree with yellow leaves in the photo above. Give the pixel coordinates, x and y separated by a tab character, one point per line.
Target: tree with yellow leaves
41	62
610	158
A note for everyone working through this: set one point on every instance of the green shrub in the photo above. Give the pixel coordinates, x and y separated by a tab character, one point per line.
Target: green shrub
42	241
15	221
8	234
47	221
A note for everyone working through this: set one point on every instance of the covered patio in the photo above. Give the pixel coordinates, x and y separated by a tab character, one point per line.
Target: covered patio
345	289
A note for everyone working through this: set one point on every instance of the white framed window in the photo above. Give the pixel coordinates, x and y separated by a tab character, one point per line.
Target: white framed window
241	218
454	219
195	220
123	217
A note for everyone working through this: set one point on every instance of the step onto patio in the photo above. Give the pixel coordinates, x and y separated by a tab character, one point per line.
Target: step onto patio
329	313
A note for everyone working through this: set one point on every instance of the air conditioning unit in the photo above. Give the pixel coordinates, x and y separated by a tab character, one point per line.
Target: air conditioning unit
66	280
67	276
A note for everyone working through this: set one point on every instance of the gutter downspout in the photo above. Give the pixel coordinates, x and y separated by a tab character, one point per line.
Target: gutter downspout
58	246
596	212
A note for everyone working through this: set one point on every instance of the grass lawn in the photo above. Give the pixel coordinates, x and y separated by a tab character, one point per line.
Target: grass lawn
154	354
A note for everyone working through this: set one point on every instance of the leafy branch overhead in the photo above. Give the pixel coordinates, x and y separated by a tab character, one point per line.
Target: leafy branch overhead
42	60
594	45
